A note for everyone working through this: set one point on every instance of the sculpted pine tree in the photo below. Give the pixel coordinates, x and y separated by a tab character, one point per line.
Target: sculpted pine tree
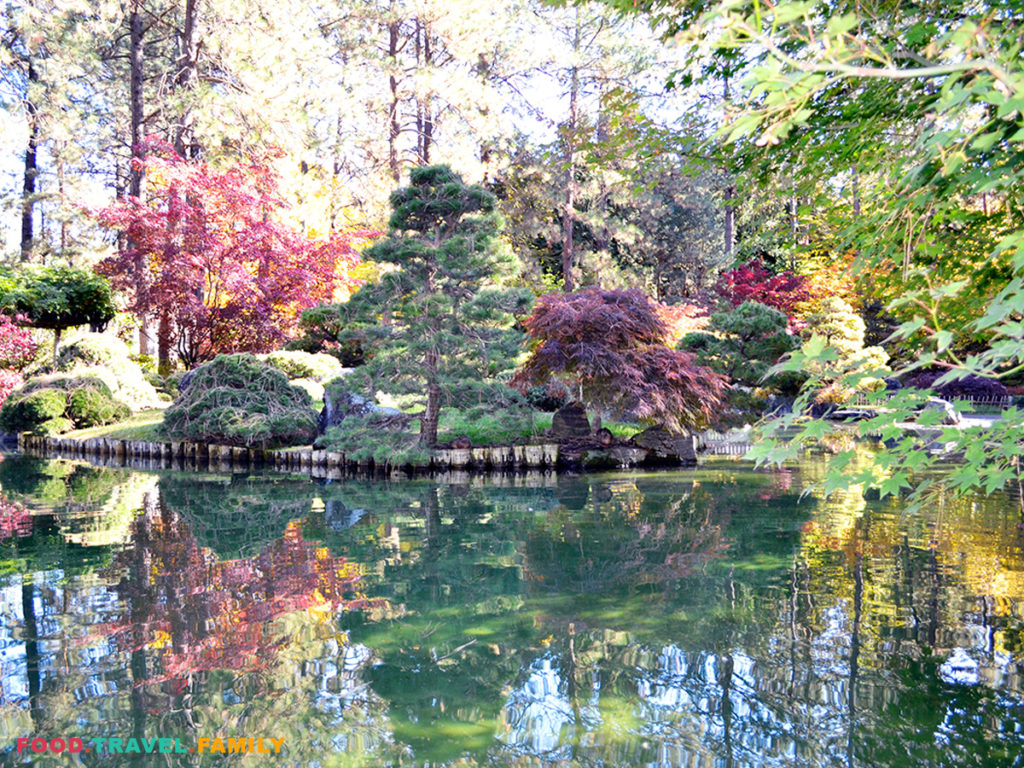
438	323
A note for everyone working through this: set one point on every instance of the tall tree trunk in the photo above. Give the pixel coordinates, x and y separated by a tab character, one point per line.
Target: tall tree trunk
730	193
483	71
28	194
569	211
428	123
856	192
418	46
393	112
136	60
136	63
184	79
62	199
431	416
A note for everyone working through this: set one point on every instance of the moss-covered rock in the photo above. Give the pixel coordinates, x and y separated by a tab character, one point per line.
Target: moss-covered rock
241	400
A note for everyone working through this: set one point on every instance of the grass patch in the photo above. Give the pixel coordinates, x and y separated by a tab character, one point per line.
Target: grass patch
141	426
500	427
492	426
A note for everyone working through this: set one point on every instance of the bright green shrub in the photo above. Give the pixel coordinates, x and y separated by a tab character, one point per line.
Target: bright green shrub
362	438
58	403
26	411
110	359
241	400
57	426
304	365
89	407
314	389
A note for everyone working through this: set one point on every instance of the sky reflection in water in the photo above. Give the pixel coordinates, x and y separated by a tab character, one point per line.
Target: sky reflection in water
704	618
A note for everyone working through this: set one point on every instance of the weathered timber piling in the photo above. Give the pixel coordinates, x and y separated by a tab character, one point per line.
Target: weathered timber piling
176	454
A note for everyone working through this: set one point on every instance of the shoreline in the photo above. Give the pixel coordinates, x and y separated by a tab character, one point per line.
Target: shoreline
192	456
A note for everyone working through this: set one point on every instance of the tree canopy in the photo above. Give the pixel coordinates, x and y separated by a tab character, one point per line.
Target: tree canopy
438	322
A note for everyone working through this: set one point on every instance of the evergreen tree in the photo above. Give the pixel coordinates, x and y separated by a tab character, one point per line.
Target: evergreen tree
743	343
438	322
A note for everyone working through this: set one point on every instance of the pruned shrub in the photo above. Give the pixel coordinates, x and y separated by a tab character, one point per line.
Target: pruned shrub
26	412
89	407
57	426
967	387
110	359
304	365
241	400
55	404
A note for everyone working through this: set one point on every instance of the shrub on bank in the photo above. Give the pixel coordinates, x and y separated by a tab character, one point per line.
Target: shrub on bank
371	436
304	365
108	358
241	400
52	405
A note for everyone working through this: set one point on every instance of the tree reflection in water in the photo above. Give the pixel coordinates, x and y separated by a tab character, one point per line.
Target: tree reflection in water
699	619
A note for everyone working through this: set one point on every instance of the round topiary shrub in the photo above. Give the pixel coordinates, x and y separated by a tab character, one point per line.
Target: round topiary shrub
241	400
24	411
57	426
107	357
54	404
89	407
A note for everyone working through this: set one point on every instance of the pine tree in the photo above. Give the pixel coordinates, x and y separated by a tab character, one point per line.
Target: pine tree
439	321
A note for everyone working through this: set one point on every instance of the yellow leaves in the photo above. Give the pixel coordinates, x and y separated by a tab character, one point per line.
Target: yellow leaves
160	639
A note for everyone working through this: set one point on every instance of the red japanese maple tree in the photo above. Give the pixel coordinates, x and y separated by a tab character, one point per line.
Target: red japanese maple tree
610	347
753	282
207	255
17	349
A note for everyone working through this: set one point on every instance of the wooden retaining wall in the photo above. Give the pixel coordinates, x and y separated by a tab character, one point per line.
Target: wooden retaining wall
139	454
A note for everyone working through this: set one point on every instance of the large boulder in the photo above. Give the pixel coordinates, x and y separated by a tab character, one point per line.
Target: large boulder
339	405
950	415
667	447
570	421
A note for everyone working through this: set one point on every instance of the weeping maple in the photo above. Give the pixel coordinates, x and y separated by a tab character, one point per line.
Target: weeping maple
207	255
610	347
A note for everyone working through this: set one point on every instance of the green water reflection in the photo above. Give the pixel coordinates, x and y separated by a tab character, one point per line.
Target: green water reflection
701	618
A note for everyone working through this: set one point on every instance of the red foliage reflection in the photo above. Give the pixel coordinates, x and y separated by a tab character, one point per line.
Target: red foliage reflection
198	613
15	519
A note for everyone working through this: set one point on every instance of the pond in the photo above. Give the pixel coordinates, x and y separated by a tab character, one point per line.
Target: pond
708	617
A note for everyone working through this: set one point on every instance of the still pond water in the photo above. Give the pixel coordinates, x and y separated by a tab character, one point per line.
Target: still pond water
700	618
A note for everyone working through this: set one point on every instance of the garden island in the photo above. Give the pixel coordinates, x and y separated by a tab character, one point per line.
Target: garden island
611	383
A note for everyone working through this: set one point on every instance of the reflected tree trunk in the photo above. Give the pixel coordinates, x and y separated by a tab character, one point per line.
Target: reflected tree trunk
724	667
851	697
31	630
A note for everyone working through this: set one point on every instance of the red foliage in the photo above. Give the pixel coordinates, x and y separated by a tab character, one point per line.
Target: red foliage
681	319
207	252
9	381
610	346
200	613
17	347
753	282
